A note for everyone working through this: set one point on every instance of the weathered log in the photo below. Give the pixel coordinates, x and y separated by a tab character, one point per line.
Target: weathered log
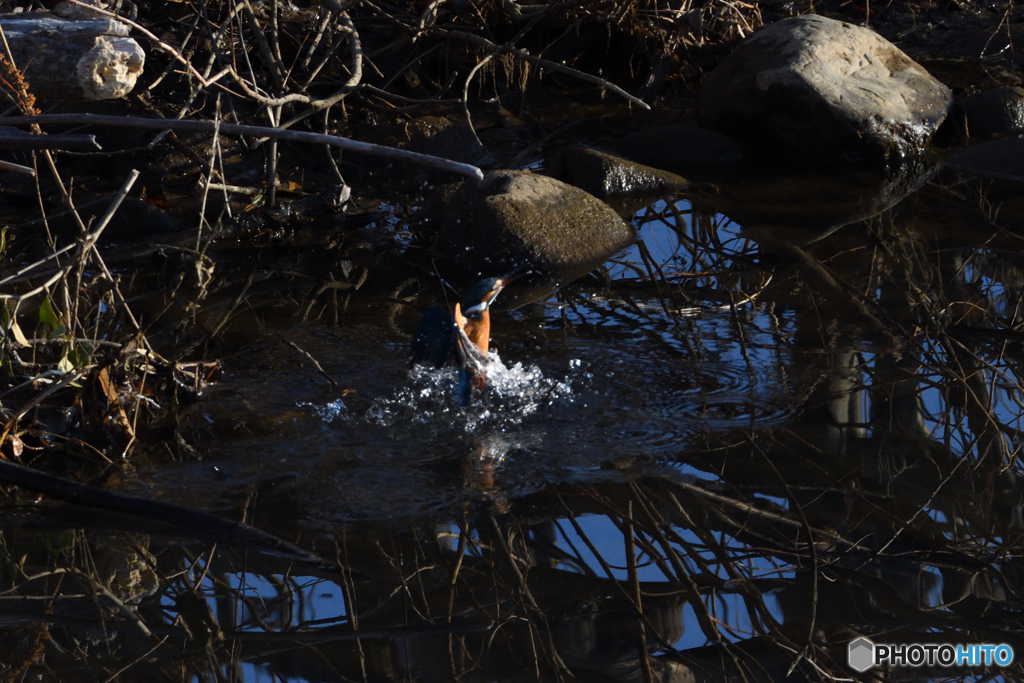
83	60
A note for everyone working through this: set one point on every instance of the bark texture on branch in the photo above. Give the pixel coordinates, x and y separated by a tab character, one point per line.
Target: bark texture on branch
82	60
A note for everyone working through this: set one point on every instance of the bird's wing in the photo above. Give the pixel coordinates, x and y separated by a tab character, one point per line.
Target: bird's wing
434	340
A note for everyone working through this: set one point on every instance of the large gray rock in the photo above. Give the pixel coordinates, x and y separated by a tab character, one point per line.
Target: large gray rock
825	90
515	217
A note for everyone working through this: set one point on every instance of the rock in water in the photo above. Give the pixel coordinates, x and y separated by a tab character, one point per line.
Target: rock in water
1003	159
992	112
515	217
824	90
606	175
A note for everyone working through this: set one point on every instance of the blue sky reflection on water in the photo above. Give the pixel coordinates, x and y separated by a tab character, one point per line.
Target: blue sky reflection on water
729	608
316	601
942	418
670	235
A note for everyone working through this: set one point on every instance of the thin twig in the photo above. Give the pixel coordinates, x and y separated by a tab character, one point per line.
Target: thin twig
311	359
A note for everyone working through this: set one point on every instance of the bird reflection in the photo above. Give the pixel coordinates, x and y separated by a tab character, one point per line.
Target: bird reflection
479	467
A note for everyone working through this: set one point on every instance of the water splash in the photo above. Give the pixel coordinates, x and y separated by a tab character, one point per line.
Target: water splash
327	412
511	394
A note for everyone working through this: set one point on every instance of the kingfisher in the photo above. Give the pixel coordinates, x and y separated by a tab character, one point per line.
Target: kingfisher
467	334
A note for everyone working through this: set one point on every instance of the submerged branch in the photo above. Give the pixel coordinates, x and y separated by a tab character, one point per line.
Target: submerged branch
193	521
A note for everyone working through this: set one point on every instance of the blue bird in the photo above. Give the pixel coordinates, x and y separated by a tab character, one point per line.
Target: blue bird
466	335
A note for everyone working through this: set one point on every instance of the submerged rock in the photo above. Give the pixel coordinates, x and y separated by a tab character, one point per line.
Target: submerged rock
992	112
1002	159
604	175
515	217
824	90
680	147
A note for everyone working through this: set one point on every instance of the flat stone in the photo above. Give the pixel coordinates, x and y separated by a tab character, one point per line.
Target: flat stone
605	175
824	90
1003	159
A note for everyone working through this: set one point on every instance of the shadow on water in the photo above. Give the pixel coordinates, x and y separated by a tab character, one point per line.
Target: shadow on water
718	456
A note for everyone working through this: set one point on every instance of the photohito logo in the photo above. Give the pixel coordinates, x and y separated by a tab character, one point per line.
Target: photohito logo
862	654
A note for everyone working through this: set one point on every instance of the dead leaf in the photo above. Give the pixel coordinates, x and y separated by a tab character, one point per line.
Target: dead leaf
110	392
19	336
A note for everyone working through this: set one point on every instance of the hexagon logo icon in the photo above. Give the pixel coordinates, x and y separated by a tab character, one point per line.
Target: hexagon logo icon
861	654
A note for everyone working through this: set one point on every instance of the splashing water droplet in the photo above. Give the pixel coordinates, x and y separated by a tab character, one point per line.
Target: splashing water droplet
327	412
510	395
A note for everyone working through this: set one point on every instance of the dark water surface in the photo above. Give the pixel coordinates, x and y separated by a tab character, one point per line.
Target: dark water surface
796	405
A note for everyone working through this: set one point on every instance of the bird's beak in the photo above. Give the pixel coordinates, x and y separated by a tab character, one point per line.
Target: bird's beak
514	274
507	279
502	282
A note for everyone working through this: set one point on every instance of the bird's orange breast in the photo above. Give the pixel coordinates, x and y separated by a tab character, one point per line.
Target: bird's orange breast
478	331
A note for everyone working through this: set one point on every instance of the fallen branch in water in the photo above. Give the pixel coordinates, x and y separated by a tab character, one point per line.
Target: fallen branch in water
91	59
193	521
257	131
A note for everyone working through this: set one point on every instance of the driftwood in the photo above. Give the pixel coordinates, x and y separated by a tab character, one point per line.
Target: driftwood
83	60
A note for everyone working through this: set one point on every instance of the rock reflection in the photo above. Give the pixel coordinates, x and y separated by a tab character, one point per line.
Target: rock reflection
821	200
